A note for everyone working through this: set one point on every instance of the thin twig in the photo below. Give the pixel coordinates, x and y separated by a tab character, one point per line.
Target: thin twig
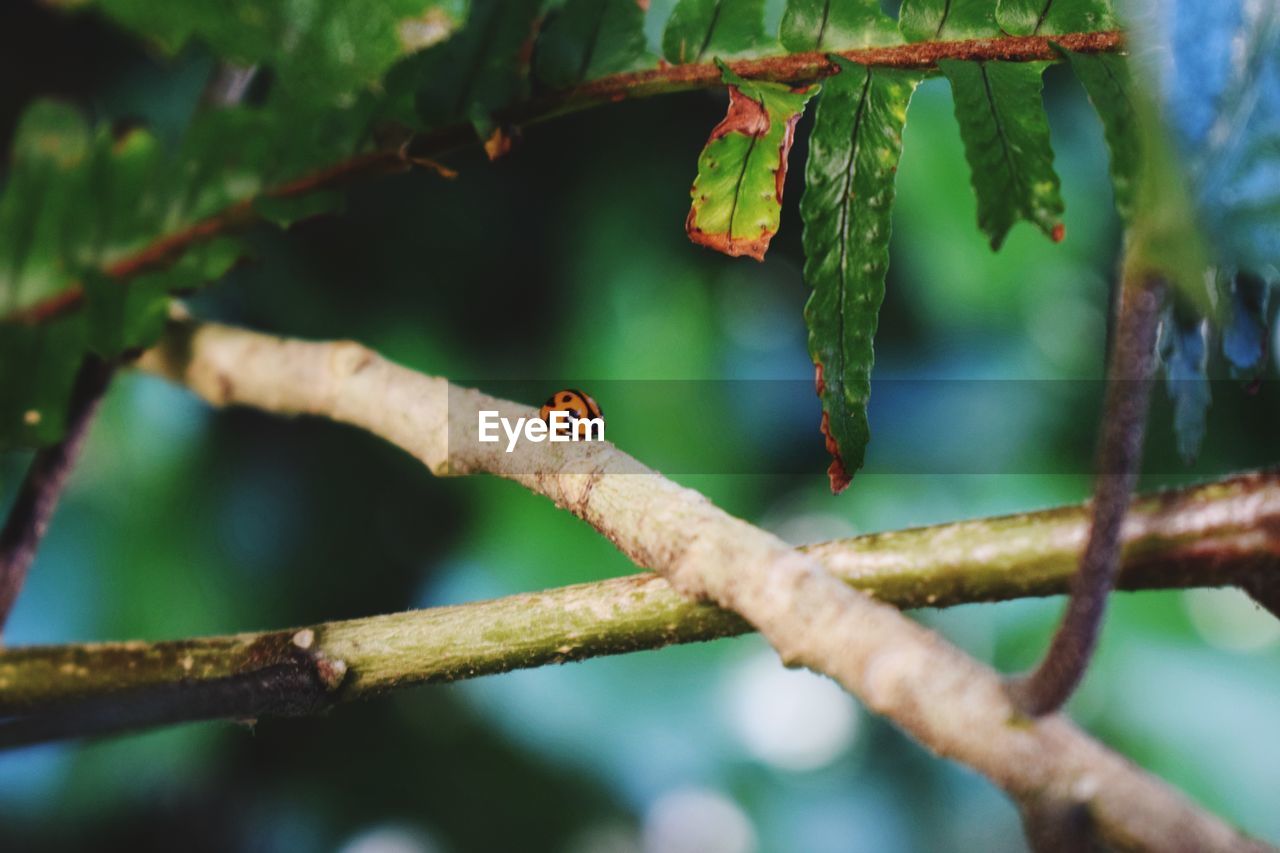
38	497
1124	419
791	68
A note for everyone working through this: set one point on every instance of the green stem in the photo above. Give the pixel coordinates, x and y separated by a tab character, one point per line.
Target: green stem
1220	533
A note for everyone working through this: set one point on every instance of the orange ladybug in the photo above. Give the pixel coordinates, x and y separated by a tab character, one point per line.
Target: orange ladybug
582	410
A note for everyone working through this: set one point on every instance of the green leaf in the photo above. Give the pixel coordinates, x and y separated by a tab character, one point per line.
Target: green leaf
41	209
125	316
77	199
478	71
38	367
589	39
835	25
699	30
1001	116
848	198
737	195
1165	237
1054	17
1106	79
1006	141
284	212
321	50
77	202
947	20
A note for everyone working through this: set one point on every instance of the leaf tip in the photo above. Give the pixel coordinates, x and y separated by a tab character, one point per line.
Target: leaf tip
836	472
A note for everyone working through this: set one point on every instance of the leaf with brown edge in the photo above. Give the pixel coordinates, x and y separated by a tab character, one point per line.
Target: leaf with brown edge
847	212
737	195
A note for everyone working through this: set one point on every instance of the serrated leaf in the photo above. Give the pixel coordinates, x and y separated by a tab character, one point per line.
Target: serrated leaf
737	195
1184	349
321	50
1106	79
700	30
1006	142
1054	17
589	39
38	367
848	197
947	20
481	69
835	25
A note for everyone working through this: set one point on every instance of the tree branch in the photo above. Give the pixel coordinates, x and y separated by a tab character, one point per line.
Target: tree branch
952	704
1201	536
1131	373
790	68
42	487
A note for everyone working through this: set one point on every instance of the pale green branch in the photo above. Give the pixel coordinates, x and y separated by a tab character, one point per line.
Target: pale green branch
1201	536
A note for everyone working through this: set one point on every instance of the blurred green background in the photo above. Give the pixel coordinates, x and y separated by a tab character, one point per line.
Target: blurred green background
566	263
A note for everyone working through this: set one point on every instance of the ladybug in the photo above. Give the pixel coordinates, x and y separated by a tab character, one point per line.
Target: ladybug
581	408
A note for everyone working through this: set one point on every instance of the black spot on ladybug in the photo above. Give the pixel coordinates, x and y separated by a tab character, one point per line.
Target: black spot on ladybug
577	405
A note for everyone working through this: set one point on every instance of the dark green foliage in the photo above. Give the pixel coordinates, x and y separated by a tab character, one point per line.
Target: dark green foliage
930	20
1053	17
701	30
481	69
42	215
835	25
1002	120
1106	79
38	367
588	39
321	50
286	211
79	201
1006	141
848	198
342	74
125	316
